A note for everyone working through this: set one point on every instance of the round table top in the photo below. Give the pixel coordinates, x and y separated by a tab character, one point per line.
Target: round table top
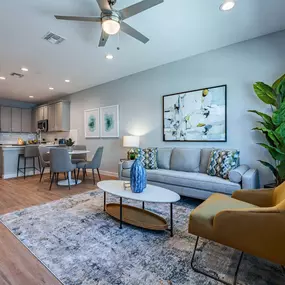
151	193
78	151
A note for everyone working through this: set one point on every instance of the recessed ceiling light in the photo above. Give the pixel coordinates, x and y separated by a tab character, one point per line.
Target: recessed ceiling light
227	5
51	88
2	78
67	80
109	56
24	69
31	96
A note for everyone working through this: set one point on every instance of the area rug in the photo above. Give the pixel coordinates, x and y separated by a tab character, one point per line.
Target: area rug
82	245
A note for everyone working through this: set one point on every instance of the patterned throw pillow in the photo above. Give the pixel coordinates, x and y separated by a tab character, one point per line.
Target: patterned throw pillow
148	157
221	162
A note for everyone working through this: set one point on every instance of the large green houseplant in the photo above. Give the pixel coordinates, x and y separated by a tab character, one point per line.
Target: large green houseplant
273	125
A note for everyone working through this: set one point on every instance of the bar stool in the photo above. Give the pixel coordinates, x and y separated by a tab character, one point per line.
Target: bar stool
30	152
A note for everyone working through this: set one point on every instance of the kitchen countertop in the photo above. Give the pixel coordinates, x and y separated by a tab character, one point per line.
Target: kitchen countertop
22	146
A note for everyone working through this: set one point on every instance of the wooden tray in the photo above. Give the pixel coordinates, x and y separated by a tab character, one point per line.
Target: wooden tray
137	217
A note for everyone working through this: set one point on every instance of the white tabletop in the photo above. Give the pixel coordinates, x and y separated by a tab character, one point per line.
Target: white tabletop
78	151
150	194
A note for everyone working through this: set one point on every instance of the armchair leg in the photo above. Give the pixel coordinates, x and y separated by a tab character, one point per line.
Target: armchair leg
93	176
52	178
214	277
99	174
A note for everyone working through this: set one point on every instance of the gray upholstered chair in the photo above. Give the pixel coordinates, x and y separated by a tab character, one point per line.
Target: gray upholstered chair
94	164
60	162
44	159
79	157
30	152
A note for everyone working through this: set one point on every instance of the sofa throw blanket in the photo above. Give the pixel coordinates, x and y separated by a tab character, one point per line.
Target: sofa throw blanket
221	162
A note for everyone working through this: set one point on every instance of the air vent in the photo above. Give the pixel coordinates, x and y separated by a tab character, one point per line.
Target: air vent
53	38
18	75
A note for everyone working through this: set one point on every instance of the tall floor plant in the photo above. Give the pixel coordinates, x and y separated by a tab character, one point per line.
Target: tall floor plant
273	125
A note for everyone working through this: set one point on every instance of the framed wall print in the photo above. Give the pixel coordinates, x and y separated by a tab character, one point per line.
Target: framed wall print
109	121
92	123
196	116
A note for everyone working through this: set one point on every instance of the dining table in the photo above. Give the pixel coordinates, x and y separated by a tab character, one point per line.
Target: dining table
72	181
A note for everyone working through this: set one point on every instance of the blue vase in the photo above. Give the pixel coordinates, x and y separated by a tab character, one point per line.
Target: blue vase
138	177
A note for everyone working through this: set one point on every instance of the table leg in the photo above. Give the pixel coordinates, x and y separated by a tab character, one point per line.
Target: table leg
104	201
121	212
171	220
143	205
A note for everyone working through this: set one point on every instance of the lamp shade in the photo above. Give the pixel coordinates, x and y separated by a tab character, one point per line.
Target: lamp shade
131	141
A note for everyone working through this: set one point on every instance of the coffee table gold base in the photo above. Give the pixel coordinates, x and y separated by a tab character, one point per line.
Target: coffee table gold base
137	217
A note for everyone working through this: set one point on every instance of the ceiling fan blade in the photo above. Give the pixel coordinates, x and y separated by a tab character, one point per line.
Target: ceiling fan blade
133	33
104	5
138	8
103	39
78	18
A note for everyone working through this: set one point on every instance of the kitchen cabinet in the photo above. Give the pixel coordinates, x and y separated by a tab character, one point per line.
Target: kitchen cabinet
51	118
16	124
26	120
41	113
6	119
62	116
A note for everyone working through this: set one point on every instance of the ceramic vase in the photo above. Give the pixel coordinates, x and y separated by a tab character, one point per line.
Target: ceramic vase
138	177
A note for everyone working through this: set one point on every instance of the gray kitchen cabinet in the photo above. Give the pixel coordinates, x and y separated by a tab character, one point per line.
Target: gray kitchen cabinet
39	114
6	119
62	116
16	125
34	121
26	120
51	118
45	112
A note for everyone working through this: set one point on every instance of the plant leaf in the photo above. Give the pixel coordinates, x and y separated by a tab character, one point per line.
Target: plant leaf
265	93
267	119
276	153
281	169
270	166
278	116
278	81
280	131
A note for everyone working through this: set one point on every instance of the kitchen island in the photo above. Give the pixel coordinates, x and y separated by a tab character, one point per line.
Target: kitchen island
9	161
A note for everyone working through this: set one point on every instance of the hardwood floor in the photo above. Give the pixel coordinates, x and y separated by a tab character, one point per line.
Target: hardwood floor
17	265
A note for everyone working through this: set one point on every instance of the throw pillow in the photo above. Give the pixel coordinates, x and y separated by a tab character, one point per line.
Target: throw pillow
221	162
148	157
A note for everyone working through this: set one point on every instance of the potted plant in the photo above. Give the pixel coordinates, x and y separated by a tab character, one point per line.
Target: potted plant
70	143
273	124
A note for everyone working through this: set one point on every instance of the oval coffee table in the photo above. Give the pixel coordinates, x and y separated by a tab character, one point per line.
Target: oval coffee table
138	216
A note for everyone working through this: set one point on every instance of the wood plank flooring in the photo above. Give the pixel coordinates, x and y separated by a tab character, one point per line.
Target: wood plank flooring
17	265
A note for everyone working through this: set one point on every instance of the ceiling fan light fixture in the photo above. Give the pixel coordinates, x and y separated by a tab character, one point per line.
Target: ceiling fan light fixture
110	26
227	5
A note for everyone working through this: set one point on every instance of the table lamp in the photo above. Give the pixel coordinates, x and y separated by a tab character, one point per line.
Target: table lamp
131	142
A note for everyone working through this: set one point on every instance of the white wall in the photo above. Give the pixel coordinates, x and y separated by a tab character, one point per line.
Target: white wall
140	98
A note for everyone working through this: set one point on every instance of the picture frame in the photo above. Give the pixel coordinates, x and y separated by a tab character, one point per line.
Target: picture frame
92	123
196	116
109	117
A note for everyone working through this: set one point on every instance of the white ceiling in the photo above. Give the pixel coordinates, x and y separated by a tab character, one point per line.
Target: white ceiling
176	28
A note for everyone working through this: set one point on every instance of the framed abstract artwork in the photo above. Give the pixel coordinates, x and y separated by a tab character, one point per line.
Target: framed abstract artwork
196	116
109	121
92	123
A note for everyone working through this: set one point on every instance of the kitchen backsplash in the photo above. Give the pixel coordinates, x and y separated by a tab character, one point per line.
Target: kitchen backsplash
49	137
12	138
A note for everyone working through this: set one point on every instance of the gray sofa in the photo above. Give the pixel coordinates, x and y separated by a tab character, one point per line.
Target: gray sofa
184	170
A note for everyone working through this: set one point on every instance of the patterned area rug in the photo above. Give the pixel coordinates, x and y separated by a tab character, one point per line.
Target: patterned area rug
82	245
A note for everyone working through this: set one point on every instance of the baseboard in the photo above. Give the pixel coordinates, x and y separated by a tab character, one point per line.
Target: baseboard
107	173
28	173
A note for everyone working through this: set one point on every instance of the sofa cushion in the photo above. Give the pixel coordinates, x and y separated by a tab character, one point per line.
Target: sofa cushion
221	162
150	158
190	179
204	160
163	158
185	159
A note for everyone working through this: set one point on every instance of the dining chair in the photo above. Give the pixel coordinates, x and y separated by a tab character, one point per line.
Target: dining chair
95	163
60	163
79	157
44	159
30	152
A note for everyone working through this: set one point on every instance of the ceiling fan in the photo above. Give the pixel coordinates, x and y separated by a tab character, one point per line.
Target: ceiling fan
113	21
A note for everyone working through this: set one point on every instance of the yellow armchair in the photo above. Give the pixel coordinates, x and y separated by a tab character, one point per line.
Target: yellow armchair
252	221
